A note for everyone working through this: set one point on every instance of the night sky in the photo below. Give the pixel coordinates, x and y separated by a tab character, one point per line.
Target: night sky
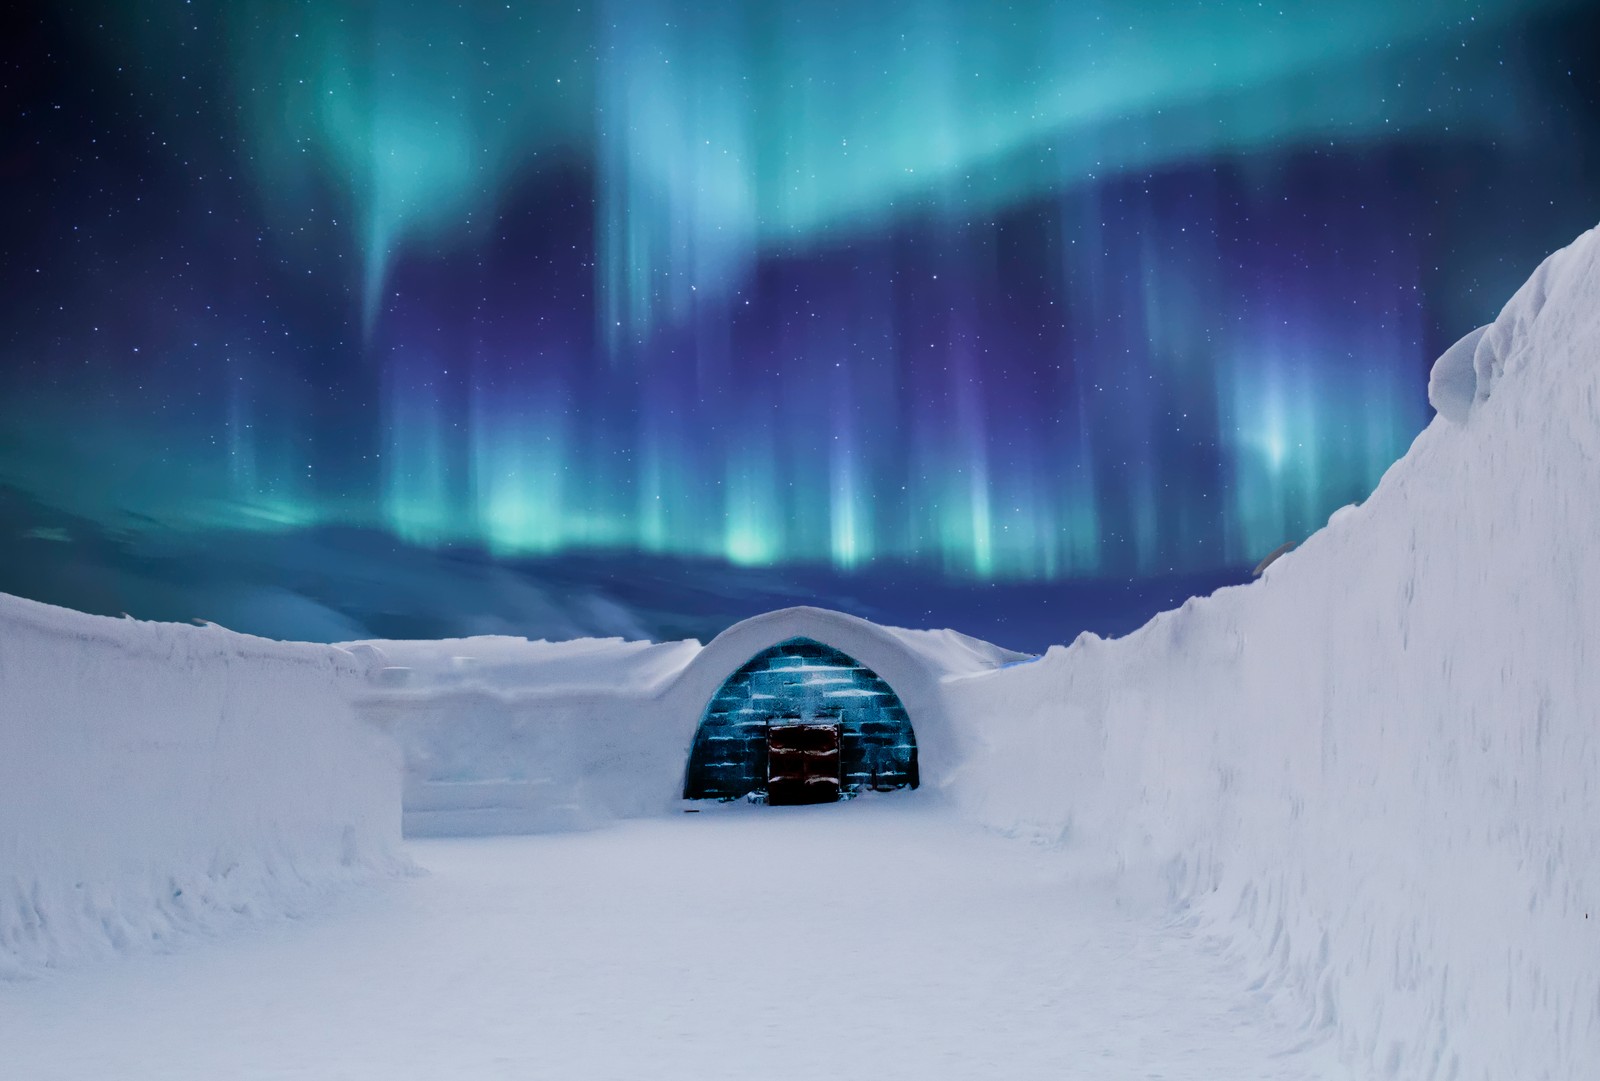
325	319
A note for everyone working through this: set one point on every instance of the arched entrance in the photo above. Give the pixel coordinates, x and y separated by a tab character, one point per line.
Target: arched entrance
802	722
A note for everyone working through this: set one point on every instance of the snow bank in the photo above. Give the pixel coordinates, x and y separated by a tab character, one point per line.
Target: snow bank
503	735
1376	772
157	778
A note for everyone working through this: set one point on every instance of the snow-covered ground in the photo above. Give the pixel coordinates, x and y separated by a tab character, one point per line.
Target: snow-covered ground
881	938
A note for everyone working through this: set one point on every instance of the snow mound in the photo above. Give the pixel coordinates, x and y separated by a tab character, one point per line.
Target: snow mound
157	779
1374	774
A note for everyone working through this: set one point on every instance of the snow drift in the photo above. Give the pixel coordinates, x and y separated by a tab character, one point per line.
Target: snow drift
1376	772
156	778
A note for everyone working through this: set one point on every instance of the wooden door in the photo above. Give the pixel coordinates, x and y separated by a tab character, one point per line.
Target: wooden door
802	763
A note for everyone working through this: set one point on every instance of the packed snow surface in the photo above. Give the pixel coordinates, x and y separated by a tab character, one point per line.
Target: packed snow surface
876	939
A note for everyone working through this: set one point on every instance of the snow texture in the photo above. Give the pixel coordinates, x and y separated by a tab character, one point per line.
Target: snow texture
1376	772
878	940
163	778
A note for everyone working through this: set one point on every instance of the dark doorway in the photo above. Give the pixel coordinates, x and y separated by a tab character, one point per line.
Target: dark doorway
802	763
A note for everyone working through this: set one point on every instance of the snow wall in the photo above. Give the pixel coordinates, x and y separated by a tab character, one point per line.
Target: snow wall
1375	773
160	778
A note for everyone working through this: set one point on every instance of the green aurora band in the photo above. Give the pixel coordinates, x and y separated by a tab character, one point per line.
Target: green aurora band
386	144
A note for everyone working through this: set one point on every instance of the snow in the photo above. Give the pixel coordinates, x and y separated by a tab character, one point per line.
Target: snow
1376	771
158	779
878	939
1453	382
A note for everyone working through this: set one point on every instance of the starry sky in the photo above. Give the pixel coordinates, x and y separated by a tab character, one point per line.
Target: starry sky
328	318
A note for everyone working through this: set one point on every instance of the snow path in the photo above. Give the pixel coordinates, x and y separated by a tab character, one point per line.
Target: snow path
879	939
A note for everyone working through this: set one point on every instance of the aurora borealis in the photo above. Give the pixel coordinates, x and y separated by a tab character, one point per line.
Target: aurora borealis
999	293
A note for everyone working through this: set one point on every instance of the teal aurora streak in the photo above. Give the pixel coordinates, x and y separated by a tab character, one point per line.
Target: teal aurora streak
721	126
892	410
